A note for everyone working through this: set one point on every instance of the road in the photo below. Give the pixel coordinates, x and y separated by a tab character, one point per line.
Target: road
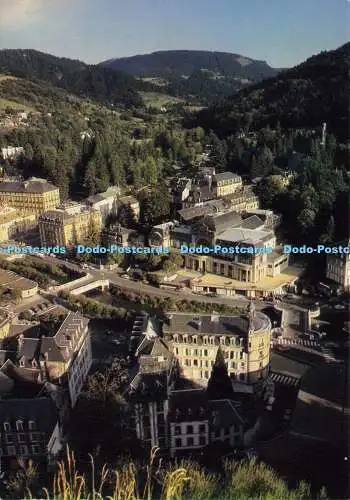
139	287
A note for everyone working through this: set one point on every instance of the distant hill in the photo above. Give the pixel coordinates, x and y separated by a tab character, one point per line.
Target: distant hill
100	83
204	74
313	92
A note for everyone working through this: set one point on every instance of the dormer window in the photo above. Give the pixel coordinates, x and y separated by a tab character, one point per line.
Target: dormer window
7	426
19	425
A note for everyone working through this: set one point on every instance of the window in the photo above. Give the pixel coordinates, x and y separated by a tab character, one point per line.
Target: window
241	376
23	450
190	441
205	352
31	425
36	449
202	440
35	436
217	433
241	354
9	438
206	374
19	425
177	429
195	352
11	450
22	438
190	429
7	427
202	428
195	362
178	443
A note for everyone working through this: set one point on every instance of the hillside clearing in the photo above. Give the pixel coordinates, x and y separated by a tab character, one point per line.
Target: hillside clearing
159	100
5	103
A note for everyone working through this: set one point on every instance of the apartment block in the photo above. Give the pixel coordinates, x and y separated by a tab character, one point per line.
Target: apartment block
34	196
244	342
69	225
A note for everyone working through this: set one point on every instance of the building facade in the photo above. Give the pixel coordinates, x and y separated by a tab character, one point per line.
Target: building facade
14	223
29	420
66	227
105	203
226	183
34	196
243	341
168	415
338	267
63	356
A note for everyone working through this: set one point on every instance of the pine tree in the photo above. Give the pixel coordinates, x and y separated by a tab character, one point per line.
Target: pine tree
220	385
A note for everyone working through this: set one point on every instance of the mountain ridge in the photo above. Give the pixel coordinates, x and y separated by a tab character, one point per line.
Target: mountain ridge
91	81
306	95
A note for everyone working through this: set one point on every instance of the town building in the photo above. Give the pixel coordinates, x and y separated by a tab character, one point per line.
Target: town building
5	325
244	342
29	420
105	202
161	235
196	422
248	273
122	236
180	190
338	267
12	152
169	411
12	281
14	223
34	196
61	355
69	225
226	183
243	199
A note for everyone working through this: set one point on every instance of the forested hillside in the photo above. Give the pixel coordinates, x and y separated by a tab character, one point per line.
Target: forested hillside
305	96
103	84
84	147
203	74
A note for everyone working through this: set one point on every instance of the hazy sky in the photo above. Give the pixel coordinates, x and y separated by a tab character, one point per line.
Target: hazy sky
282	32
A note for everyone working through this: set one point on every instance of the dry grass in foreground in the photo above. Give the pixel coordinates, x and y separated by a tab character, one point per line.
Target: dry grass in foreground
241	481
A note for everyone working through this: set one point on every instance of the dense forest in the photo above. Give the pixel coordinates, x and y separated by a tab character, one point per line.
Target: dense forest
96	82
305	96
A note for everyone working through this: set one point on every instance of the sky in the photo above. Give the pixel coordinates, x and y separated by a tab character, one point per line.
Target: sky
281	32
